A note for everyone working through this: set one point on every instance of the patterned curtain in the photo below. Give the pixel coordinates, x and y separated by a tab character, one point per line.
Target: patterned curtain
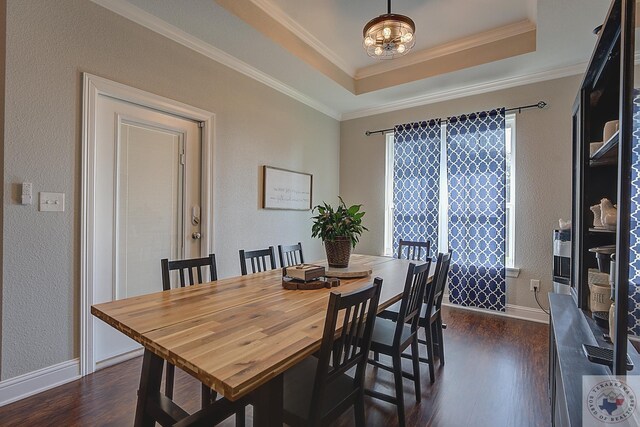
416	183
634	247
476	168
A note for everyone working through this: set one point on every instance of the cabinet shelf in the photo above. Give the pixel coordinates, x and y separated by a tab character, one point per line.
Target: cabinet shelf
607	154
602	230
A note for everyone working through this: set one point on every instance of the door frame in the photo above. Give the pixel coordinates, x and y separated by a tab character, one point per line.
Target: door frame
93	87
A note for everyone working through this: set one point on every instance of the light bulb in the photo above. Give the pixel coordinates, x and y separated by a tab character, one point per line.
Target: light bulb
401	48
368	41
386	32
407	37
378	51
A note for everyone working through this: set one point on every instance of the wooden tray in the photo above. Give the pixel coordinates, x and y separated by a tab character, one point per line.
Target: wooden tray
292	284
351	272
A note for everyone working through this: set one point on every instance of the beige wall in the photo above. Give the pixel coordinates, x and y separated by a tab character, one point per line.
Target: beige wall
543	171
49	45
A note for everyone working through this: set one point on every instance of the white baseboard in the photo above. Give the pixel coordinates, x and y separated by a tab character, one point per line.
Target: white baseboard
513	311
35	382
119	358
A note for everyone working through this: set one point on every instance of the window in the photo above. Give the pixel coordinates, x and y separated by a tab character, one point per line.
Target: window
510	137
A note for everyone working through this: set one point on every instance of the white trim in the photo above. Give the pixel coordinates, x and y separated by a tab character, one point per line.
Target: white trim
31	383
464	91
286	21
119	358
474	89
93	87
512	272
512	311
450	48
147	20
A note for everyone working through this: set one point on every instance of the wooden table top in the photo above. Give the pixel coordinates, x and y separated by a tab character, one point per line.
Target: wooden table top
236	334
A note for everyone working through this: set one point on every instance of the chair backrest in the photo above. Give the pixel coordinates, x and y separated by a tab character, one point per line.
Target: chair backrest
351	347
412	298
290	255
415	251
258	260
436	290
189	265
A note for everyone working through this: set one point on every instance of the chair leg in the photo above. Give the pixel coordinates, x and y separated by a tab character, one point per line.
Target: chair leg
397	376
441	341
430	355
240	417
376	356
415	357
358	408
168	380
208	396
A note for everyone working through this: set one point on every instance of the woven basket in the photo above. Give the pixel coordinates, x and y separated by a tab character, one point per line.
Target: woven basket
600	299
338	252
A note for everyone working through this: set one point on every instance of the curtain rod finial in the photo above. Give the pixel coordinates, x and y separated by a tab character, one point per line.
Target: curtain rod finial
542	104
368	133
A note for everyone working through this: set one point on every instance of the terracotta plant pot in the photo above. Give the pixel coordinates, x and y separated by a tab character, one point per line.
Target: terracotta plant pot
338	252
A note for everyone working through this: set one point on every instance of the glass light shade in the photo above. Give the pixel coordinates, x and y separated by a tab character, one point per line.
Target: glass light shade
388	36
407	37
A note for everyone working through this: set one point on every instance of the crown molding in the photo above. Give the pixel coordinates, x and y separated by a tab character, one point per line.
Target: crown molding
286	21
450	48
469	90
476	89
153	23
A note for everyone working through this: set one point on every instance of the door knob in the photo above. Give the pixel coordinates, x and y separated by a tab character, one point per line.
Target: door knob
196	235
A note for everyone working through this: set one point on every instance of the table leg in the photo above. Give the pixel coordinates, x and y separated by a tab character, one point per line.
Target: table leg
268	403
150	379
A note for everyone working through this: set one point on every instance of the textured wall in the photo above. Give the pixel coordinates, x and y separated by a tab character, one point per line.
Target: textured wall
49	45
543	171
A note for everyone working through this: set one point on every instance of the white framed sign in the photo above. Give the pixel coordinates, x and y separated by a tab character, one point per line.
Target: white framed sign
285	189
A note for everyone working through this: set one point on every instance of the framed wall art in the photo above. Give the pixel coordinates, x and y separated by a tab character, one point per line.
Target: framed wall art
285	189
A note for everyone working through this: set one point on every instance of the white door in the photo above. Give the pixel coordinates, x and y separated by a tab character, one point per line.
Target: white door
147	207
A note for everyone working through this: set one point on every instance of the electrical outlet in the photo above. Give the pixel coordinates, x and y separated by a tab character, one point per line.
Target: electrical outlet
534	285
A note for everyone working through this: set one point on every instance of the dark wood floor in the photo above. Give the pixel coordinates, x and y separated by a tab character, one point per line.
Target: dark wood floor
495	375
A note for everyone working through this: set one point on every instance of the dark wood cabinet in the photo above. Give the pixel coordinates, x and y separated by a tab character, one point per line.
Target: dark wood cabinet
606	94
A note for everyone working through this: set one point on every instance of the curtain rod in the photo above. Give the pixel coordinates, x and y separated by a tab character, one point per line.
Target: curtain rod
539	105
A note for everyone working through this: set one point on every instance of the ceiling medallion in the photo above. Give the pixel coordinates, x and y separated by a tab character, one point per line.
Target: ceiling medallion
389	36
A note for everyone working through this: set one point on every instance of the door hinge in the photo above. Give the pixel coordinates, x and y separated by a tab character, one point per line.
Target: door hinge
182	159
201	124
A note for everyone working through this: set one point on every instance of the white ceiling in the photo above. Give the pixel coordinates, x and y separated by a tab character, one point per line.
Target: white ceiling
338	24
564	43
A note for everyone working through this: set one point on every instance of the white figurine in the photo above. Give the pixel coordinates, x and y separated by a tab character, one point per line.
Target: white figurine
608	214
597	214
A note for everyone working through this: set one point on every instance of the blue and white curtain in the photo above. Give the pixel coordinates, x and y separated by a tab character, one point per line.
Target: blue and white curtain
634	247
476	168
416	183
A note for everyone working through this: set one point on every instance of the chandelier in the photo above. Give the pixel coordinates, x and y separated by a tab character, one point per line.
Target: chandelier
389	36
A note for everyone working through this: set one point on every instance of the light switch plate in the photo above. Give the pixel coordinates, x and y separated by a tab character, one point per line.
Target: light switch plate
52	202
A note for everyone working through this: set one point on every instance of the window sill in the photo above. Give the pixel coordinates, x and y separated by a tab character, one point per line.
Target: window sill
513	272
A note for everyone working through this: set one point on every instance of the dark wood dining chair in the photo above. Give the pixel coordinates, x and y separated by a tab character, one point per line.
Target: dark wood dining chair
318	390
431	315
188	266
414	251
290	255
186	269
260	260
391	338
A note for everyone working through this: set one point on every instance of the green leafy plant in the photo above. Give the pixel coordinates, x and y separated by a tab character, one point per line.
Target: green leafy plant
341	222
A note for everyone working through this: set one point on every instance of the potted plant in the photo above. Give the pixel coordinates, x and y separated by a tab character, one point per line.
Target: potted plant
339	229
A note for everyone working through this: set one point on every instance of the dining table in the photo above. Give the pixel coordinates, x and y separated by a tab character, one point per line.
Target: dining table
236	335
